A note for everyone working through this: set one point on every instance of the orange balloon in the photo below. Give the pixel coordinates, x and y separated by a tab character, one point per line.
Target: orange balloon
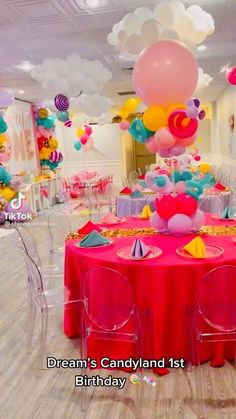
154	118
175	106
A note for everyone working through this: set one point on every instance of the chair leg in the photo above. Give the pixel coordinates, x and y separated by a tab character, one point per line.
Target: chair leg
43	338
84	401
31	323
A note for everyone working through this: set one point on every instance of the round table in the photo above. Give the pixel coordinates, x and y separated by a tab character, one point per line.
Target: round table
164	288
209	203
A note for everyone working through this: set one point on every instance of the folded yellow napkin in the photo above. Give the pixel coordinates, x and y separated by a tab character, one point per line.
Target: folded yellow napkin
146	213
196	248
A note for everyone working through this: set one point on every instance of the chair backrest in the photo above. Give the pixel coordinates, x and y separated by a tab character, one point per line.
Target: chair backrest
212	204
59	226
216	298
108	298
28	244
35	281
133	176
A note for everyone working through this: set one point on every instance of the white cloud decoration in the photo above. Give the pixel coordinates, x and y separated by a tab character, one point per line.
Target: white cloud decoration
168	20
204	80
92	105
71	75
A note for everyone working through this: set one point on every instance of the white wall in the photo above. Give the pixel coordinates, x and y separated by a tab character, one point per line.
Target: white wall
105	158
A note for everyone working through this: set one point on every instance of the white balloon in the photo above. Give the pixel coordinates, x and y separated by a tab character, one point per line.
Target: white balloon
150	31
164	13
131	23
144	13
169	34
122	36
135	44
197	37
183	26
112	38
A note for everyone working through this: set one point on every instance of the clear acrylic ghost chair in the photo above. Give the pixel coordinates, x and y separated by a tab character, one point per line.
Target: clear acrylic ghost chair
28	243
212	204
109	312
133	176
215	306
59	226
43	301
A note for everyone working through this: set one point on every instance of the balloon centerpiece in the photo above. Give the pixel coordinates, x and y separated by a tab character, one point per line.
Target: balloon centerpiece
85	142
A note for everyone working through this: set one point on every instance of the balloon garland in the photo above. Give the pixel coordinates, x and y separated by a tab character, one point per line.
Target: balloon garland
45	133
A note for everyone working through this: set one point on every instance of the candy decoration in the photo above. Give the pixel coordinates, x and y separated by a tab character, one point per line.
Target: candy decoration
177	126
68	123
202	114
55	157
61	102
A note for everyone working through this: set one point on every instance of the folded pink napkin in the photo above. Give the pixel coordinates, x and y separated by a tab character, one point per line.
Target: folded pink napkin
139	249
109	218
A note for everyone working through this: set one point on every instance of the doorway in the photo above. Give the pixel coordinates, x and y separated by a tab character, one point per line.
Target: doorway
143	157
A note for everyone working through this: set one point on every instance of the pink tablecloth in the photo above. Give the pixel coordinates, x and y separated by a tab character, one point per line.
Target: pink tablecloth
163	288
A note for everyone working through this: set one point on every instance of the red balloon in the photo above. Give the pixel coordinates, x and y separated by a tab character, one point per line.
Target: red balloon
166	207
231	76
41	142
176	127
186	204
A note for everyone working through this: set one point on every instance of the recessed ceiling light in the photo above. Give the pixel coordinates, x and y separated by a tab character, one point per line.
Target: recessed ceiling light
92	4
21	92
25	66
201	48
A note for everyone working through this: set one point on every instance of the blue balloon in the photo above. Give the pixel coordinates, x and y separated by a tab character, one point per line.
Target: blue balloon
3	126
195	189
176	176
77	145
49	122
160	181
5	177
139	132
63	116
40	121
186	175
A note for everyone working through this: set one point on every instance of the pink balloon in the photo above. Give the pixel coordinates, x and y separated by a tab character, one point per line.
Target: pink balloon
231	76
151	145
180	224
83	139
192	112
180	186
164	138
89	145
198	219
124	125
186	142
177	150
157	222
165	73
88	130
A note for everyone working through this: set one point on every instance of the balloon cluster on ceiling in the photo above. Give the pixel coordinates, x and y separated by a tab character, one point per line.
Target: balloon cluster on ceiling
45	133
168	20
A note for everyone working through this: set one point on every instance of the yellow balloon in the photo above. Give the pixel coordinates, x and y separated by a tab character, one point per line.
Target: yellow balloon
3	139
175	106
7	193
154	118
44	153
79	132
43	113
123	113
130	105
53	143
205	168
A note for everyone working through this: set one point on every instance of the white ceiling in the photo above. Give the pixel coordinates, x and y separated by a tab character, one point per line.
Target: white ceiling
31	30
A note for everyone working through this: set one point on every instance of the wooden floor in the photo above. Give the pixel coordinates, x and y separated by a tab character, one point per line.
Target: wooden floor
24	394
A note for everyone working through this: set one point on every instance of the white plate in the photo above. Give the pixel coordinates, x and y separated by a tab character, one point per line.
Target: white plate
211	252
125	253
77	244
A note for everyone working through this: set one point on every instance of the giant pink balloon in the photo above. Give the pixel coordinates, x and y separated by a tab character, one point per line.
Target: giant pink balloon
165	73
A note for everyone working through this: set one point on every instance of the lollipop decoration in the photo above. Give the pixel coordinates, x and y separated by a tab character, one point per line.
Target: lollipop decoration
62	102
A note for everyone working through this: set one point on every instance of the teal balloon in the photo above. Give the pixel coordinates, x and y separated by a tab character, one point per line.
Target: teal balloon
77	145
195	189
3	126
52	165
44	162
49	122
207	180
40	121
160	181
176	176
63	116
139	132
5	176
186	176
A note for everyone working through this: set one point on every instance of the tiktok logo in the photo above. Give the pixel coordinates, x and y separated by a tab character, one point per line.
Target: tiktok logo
17	203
